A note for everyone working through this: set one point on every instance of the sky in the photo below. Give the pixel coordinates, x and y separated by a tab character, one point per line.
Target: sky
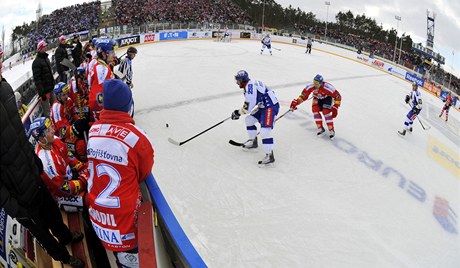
412	13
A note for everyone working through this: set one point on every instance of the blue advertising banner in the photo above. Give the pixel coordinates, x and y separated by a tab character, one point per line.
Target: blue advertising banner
413	78
443	95
173	35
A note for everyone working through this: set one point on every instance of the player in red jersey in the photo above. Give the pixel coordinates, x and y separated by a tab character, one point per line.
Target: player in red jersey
79	94
61	111
448	102
326	99
63	174
120	156
100	72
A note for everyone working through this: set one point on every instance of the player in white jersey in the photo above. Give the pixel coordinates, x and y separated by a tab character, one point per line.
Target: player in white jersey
266	43
261	105
227	35
416	102
309	43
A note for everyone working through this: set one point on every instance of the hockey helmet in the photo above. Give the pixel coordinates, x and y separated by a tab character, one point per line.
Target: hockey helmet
132	50
414	85
39	126
81	71
318	80
242	75
105	45
60	88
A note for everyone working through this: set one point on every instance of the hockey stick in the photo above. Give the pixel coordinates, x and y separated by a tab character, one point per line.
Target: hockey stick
67	63
279	49
424	128
240	144
182	142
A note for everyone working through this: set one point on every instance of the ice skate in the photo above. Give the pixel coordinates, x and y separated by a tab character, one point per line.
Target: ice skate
268	160
331	134
321	132
250	144
410	129
402	133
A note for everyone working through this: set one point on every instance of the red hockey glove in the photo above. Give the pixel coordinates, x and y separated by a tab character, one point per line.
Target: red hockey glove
335	111
294	104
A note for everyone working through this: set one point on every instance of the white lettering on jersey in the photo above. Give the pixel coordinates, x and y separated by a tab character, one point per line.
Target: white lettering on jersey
115	132
101	217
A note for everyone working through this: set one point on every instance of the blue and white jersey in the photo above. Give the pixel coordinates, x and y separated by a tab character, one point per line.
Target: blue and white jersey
257	94
267	41
416	99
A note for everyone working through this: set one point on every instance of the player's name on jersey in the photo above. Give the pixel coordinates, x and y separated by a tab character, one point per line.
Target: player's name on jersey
102	217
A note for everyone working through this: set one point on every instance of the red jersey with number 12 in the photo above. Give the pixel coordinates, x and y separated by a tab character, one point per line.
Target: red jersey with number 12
120	156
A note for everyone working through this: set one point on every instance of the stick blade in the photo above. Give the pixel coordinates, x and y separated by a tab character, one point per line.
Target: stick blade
232	142
174	142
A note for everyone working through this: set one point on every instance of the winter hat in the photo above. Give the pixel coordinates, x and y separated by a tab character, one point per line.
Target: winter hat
116	95
61	38
41	44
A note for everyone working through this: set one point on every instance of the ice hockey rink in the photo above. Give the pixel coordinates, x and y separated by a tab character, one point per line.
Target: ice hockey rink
369	198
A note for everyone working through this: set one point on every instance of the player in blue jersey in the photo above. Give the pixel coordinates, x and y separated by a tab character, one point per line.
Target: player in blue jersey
416	102
261	106
266	43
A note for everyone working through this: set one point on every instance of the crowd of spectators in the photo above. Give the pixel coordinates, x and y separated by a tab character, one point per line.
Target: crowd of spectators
66	20
138	12
384	50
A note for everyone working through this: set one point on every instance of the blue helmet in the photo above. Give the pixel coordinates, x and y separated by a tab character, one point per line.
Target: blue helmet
60	88
105	45
242	76
39	127
80	70
318	78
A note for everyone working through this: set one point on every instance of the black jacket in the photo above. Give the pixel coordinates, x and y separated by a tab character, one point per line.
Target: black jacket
19	168
76	52
43	76
60	54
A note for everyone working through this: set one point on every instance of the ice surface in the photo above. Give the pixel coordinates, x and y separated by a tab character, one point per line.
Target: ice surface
365	199
362	200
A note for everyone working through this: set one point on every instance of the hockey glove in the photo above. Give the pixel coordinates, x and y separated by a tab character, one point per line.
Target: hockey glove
294	104
335	111
407	99
236	115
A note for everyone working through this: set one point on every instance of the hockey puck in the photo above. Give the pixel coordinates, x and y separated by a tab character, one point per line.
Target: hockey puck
167	125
